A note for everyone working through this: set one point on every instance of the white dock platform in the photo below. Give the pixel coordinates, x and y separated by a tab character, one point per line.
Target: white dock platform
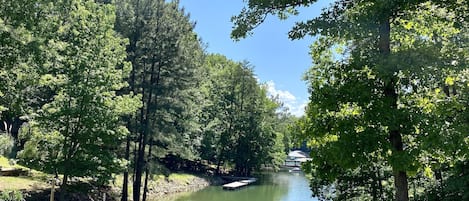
238	184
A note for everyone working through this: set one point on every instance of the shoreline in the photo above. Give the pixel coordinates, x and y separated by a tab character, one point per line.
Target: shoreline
169	188
161	188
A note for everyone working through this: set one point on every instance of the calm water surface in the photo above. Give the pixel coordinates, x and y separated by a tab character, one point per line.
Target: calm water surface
283	186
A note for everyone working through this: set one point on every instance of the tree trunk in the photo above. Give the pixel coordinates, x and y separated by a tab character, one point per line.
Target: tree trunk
391	96
147	173
132	128
139	168
125	185
374	184
146	119
140	160
135	151
63	188
439	179
125	191
132	49
149	111
218	165
400	183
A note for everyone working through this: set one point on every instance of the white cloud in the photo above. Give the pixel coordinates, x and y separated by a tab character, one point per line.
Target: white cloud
299	109
285	96
289	101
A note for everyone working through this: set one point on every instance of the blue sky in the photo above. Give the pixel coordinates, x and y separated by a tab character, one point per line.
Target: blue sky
278	61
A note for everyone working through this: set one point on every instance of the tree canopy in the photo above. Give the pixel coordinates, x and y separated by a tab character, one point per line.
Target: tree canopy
94	89
380	70
77	132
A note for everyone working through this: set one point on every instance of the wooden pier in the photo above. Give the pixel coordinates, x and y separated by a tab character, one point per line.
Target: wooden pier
239	184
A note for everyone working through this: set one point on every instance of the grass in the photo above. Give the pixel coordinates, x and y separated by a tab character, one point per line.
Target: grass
4	162
180	177
35	180
173	177
118	183
21	183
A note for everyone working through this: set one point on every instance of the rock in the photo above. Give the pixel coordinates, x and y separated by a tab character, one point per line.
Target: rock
167	188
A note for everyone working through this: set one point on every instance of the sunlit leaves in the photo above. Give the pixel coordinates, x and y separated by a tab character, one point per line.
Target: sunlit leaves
243	127
76	133
449	81
349	115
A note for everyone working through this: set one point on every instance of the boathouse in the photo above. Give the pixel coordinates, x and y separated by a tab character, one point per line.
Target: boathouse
295	158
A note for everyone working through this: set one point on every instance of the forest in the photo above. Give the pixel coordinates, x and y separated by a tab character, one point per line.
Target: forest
99	90
94	89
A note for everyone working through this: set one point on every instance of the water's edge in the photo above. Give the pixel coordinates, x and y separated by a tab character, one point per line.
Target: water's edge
281	186
170	190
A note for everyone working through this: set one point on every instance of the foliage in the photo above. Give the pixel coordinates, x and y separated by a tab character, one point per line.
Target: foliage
6	144
166	55
389	95
385	99
20	57
11	196
455	187
66	93
240	123
77	132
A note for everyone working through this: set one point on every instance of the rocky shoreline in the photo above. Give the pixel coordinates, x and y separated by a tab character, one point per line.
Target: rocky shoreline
161	189
167	187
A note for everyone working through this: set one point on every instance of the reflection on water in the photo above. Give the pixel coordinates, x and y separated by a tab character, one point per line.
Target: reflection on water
282	186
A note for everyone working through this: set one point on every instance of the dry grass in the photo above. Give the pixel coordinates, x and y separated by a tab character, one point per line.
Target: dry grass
180	178
21	183
35	181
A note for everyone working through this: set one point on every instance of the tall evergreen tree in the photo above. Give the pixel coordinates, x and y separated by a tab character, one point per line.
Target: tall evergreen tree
166	55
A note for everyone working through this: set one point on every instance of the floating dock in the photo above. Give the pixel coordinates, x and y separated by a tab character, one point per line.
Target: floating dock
239	184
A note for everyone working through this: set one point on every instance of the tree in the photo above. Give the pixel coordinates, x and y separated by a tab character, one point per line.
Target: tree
239	126
77	132
359	114
20	61
166	55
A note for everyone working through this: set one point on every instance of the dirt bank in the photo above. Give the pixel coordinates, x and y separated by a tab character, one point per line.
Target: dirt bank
168	186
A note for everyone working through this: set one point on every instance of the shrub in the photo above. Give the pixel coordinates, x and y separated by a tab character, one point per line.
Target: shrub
6	144
11	196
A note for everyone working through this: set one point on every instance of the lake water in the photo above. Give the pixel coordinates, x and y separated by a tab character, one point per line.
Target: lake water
282	186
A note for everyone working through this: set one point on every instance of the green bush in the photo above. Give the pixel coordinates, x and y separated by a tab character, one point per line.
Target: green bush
11	196
6	144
